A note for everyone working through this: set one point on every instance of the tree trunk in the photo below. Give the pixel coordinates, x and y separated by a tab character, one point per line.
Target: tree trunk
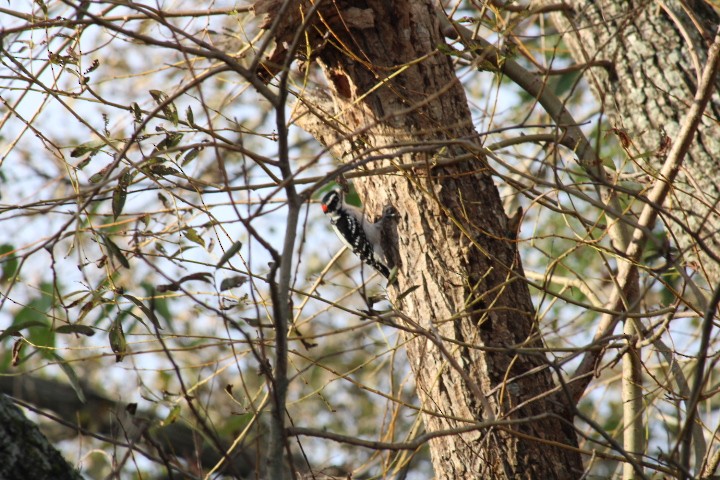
658	50
24	450
396	95
101	415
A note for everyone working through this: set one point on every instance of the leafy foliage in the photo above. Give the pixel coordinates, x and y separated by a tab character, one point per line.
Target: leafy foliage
145	204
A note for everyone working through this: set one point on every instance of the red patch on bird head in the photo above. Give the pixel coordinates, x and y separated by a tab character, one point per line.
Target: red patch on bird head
325	208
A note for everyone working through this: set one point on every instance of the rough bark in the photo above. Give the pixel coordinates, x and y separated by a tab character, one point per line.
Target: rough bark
395	93
24	450
658	51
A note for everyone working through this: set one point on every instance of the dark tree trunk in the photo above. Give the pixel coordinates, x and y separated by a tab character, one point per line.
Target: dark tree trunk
395	93
106	417
24	450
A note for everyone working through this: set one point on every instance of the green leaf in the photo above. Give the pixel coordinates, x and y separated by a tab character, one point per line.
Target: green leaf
235	248
175	286
166	203
565	82
232	282
137	112
99	176
84	163
34	317
97	299
43	6
172	416
148	313
164	170
172	139
8	260
206	277
70	373
120	192
126	177
171	111
189	115
160	304
190	156
353	198
20	326
115	251
118	200
42	336
392	278
75	328
118	343
168	109
88	147
193	236
63	60
158	95
407	292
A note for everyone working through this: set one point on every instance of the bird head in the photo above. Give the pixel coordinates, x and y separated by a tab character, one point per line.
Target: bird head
331	201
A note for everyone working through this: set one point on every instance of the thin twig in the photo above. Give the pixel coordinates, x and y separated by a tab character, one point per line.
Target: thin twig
628	269
417	442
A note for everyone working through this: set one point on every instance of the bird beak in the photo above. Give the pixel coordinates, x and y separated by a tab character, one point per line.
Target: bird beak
325	208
